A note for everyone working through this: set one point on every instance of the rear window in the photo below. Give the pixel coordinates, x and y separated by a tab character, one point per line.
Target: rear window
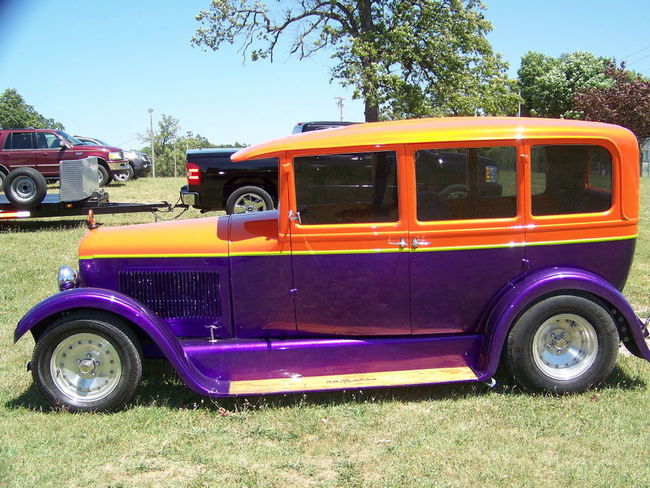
19	140
569	179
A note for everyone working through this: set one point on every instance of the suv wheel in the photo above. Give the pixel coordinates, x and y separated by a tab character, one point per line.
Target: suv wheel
25	187
103	175
249	199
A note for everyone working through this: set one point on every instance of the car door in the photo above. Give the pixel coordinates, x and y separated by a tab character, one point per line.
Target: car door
50	152
348	235
466	234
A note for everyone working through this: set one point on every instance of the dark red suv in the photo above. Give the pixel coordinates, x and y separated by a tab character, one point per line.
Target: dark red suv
44	149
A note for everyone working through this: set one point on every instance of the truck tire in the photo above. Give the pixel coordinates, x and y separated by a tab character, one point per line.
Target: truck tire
249	199
123	178
25	187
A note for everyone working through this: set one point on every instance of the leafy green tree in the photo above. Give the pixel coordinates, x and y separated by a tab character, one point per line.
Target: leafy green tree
170	146
15	113
403	58
549	84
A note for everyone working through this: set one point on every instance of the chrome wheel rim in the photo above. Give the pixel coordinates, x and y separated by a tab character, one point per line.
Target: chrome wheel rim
24	187
565	346
100	176
121	177
85	367
249	202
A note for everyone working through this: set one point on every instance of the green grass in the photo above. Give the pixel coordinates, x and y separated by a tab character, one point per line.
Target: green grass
431	437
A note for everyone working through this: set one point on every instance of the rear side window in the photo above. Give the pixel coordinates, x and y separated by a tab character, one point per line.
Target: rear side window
569	179
19	140
466	183
347	188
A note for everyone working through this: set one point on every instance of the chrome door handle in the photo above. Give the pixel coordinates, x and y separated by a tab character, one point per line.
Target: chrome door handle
294	216
401	243
415	243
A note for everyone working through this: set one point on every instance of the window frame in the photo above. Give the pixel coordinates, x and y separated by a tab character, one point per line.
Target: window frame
352	228
470	225
612	214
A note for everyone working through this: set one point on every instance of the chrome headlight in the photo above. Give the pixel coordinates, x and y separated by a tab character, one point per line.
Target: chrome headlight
68	278
115	155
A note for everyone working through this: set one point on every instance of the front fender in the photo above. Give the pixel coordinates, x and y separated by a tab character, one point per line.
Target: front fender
121	305
521	294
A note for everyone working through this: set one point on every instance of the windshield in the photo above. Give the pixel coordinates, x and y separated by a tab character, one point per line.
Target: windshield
72	140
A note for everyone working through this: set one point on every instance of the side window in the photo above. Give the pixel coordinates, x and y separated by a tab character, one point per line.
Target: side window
47	140
21	140
568	179
347	188
466	183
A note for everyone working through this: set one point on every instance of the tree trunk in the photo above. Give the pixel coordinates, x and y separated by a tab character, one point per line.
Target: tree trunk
371	111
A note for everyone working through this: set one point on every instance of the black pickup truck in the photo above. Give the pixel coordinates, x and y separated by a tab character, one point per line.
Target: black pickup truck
216	183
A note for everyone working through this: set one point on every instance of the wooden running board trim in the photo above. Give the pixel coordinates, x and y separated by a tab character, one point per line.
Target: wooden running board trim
355	380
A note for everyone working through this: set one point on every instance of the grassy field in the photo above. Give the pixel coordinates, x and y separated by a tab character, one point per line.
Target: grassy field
431	437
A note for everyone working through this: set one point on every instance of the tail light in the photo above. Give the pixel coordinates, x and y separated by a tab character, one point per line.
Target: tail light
193	173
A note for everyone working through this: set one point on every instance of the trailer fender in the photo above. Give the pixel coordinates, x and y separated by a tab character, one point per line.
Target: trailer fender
119	304
520	295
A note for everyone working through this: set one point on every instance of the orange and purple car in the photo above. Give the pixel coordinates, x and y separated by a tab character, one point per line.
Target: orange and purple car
402	253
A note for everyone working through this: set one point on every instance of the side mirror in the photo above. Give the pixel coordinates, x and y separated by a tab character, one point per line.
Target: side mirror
63	144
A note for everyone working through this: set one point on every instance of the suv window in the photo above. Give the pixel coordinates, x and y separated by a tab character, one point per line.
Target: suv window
569	179
19	140
466	183
347	188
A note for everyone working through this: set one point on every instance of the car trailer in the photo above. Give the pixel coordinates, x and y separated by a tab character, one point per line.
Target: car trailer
52	206
26	195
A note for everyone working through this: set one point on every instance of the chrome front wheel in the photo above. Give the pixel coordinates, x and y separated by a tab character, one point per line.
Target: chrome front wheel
87	361
86	367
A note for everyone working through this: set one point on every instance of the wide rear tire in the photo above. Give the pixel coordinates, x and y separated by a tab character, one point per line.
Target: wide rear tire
563	344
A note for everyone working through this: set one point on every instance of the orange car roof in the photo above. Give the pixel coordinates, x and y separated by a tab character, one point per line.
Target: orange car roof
449	129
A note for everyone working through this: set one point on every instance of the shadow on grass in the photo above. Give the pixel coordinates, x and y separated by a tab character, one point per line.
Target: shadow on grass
161	387
40	225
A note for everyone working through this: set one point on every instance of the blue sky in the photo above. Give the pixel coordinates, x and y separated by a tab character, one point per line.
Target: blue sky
97	66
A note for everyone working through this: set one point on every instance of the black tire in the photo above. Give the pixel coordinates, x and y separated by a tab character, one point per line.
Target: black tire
25	187
93	349
103	175
249	199
563	344
454	192
126	177
3	175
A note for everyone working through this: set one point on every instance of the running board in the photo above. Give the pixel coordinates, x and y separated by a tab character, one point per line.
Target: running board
359	380
233	367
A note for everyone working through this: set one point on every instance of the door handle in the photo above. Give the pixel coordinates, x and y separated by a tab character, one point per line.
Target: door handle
401	243
415	243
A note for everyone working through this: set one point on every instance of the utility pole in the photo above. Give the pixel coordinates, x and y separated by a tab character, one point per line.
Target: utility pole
153	154
339	103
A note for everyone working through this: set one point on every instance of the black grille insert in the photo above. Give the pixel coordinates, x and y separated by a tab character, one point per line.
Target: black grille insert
192	294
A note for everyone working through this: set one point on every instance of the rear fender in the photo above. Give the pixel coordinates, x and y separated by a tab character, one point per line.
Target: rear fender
118	304
520	295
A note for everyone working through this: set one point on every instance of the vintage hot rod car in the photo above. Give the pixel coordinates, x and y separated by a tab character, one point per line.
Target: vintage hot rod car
381	267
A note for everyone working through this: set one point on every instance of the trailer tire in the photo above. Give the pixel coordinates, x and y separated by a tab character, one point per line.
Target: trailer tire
25	187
